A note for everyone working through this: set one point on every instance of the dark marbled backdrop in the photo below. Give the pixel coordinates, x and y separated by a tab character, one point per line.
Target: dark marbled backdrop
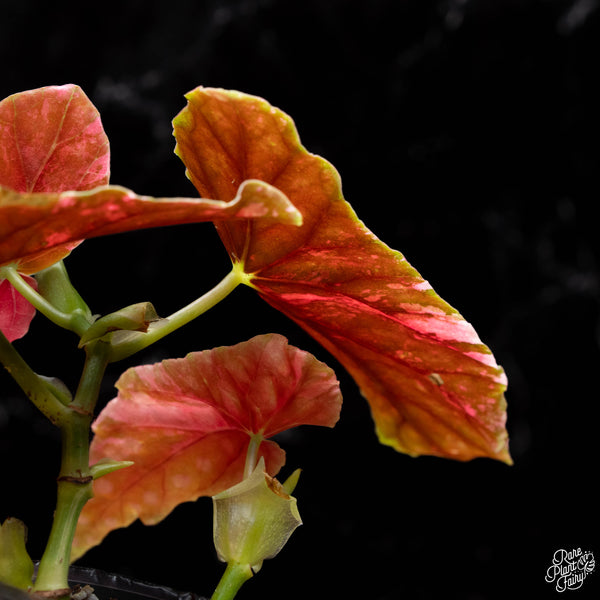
466	134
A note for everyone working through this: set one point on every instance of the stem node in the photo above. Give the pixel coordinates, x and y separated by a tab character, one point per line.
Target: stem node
81	480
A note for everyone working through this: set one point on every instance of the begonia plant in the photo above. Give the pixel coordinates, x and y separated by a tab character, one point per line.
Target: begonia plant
201	425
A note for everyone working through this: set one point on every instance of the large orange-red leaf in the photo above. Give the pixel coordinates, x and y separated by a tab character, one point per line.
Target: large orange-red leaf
52	140
186	423
15	312
31	224
433	386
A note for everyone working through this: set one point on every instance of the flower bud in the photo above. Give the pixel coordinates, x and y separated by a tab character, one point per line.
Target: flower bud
253	519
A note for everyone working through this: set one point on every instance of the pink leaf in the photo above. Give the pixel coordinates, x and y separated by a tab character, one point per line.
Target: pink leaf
186	423
16	313
52	140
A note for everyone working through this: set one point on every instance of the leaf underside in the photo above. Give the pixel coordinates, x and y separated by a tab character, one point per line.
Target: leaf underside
35	225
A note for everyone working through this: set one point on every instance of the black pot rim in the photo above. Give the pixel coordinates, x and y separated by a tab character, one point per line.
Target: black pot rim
112	581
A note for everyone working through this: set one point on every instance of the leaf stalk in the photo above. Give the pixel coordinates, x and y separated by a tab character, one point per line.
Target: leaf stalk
134	341
75	321
35	387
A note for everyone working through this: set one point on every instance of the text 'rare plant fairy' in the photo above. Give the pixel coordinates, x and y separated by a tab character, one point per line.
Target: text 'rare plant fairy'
201	425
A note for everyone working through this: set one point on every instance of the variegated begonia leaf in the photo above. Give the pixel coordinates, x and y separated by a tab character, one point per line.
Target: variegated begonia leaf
51	140
16	313
186	424
35	223
434	388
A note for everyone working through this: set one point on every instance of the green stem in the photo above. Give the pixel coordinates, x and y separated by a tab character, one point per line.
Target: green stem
36	389
54	567
93	372
136	341
252	454
74	322
234	577
75	478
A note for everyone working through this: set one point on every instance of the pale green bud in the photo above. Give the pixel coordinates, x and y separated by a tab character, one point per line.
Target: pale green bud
16	568
253	519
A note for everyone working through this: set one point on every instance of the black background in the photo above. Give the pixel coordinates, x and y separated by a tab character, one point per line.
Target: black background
466	134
